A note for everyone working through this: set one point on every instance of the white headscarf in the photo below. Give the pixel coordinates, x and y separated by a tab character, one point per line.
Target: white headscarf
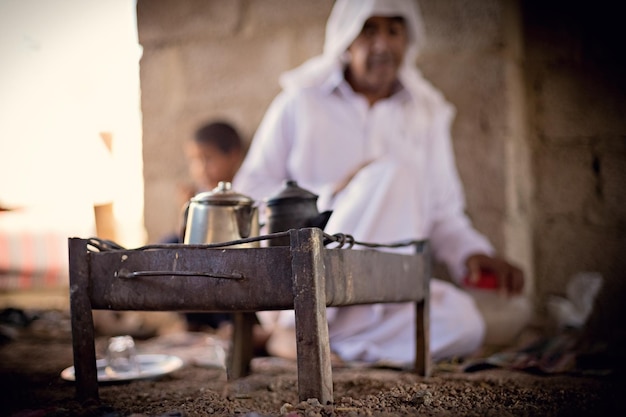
344	25
348	17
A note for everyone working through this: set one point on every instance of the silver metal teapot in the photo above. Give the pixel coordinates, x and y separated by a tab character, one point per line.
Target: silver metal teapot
293	207
221	215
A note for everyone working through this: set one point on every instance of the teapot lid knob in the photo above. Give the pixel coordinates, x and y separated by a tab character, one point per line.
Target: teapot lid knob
223	186
223	194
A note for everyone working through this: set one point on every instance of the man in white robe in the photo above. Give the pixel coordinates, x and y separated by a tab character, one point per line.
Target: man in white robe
360	127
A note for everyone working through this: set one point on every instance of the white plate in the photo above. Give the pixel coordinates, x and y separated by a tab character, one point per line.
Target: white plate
150	366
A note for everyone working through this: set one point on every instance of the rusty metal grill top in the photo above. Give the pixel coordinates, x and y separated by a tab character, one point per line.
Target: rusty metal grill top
304	276
335	241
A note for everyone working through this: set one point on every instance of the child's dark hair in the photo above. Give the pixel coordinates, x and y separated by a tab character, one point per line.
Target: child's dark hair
220	134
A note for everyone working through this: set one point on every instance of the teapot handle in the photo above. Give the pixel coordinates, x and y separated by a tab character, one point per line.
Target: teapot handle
244	216
185	216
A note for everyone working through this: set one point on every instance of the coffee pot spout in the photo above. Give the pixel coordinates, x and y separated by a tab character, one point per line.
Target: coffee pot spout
321	219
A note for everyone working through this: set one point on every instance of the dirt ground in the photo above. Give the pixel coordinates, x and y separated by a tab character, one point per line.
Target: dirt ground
32	357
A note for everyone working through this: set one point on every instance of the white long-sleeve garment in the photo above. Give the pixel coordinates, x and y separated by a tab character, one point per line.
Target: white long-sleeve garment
316	132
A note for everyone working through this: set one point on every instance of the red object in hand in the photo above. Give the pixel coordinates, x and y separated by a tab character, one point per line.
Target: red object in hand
487	281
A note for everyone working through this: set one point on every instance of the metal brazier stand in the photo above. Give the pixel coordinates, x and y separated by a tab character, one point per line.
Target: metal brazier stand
305	276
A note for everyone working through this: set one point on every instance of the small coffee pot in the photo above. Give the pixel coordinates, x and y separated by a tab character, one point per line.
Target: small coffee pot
221	215
293	207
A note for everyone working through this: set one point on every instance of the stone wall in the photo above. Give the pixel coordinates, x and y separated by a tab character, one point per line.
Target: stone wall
539	133
577	132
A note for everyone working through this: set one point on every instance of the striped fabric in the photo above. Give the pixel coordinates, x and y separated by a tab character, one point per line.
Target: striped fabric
30	261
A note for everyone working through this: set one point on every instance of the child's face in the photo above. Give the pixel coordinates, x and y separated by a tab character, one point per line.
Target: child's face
208	165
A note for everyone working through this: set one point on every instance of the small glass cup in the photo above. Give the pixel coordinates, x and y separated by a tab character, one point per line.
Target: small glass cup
121	355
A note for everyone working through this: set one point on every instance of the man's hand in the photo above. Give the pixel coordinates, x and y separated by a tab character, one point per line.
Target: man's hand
510	277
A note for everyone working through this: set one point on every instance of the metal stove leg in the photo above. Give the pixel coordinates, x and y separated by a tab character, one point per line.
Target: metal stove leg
313	349
242	348
422	319
422	355
82	322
